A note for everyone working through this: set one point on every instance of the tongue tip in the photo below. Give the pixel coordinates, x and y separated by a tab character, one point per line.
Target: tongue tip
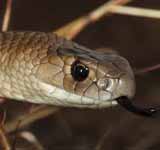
128	105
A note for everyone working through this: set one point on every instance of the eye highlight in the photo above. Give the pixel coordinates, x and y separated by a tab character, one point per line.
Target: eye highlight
79	71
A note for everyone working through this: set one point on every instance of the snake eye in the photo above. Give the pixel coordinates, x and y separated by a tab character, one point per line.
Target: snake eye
79	71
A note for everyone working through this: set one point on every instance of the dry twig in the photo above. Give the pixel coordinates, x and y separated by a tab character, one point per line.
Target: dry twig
72	29
31	139
4	142
28	118
147	69
7	15
101	140
135	11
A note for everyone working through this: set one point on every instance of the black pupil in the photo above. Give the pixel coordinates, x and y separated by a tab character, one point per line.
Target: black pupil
79	71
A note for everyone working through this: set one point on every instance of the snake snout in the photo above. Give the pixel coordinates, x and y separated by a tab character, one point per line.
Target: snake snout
125	87
113	88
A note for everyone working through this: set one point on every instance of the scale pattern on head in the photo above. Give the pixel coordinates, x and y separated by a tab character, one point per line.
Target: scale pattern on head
100	76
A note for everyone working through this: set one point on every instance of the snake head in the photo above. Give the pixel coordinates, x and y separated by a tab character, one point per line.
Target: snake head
43	68
75	76
87	78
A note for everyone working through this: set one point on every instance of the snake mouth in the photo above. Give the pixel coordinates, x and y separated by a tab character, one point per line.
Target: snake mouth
126	103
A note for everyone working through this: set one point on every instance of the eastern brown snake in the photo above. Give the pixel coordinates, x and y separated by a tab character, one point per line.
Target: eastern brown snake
44	68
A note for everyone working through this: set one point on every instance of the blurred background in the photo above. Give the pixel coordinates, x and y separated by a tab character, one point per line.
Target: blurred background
135	38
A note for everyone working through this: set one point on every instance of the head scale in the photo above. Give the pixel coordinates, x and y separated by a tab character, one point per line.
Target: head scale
90	78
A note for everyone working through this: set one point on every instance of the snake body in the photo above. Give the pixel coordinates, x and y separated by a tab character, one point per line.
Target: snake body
36	67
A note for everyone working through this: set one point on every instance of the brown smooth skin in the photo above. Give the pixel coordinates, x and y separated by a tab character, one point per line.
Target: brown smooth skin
36	67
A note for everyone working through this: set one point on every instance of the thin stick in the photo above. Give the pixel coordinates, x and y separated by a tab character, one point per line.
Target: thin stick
39	112
30	137
147	69
135	11
102	139
72	29
7	16
4	143
105	9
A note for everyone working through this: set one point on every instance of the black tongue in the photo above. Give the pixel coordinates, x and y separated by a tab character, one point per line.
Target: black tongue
128	105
